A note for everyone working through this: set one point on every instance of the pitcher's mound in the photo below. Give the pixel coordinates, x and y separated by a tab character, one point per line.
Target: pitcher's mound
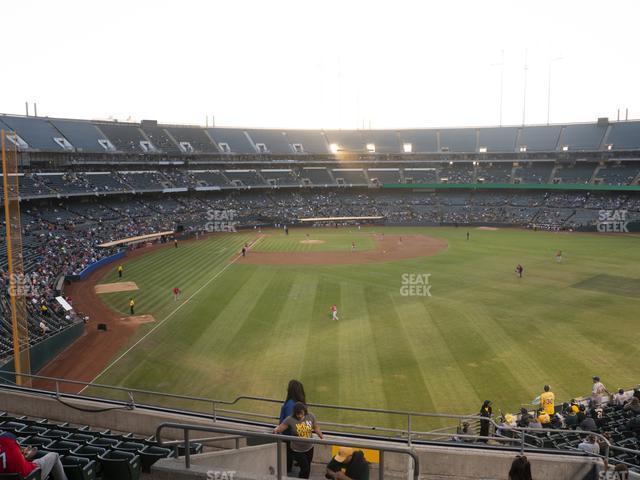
311	242
138	319
116	287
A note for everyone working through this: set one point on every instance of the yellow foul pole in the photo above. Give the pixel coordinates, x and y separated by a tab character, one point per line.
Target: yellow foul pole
19	327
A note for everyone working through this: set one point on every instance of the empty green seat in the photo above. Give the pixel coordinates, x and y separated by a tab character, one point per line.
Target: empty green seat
120	465
151	454
78	468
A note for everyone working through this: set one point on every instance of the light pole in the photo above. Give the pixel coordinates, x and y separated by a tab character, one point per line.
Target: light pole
549	87
524	90
501	65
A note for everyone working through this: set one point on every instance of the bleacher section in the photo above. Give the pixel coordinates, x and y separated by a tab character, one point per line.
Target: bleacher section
59	135
349	176
209	178
285	177
578	173
159	137
421	141
496	172
461	140
318	176
619	174
84	136
144	181
624	136
231	140
383	141
192	140
582	137
534	172
268	141
420	175
498	139
124	137
384	175
346	141
308	141
38	133
460	172
539	139
246	178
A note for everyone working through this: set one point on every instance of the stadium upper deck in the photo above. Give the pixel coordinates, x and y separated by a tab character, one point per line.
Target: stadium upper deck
42	134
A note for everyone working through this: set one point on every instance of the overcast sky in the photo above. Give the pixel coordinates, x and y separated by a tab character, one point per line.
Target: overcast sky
322	64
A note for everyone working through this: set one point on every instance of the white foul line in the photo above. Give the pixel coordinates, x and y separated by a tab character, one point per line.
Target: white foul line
167	317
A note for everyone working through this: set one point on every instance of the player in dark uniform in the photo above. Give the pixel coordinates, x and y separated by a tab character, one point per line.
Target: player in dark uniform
519	270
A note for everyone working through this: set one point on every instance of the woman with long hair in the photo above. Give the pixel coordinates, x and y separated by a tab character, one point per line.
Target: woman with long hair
520	469
295	393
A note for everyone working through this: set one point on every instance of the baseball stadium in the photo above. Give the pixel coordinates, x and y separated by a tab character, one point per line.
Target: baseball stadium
187	274
344	240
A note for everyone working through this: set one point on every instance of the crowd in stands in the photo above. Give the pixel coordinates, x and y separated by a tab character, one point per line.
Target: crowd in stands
36	183
591	424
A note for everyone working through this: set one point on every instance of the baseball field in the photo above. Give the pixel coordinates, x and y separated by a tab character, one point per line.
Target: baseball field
428	320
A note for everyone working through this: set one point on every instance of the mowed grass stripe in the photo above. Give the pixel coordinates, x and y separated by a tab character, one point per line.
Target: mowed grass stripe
320	363
402	384
364	385
443	376
255	334
285	346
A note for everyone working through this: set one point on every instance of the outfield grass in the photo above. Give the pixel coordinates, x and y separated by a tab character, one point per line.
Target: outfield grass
483	334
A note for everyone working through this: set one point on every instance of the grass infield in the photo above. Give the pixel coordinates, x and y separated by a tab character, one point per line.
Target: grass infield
483	333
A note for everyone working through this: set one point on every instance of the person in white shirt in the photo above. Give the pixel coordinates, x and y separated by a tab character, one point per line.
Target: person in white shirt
589	445
598	391
620	398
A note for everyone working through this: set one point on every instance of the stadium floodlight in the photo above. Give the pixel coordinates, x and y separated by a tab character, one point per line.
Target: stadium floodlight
334	147
407	148
371	147
450	162
565	148
482	149
523	148
610	146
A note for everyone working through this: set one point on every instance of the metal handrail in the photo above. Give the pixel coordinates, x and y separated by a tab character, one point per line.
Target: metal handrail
409	415
186	428
409	432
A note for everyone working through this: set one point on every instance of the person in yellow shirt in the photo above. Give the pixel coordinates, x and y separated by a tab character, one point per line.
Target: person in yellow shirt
547	401
120	270
544	418
132	305
575	407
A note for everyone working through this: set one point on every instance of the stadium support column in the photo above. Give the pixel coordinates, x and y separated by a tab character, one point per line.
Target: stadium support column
18	284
